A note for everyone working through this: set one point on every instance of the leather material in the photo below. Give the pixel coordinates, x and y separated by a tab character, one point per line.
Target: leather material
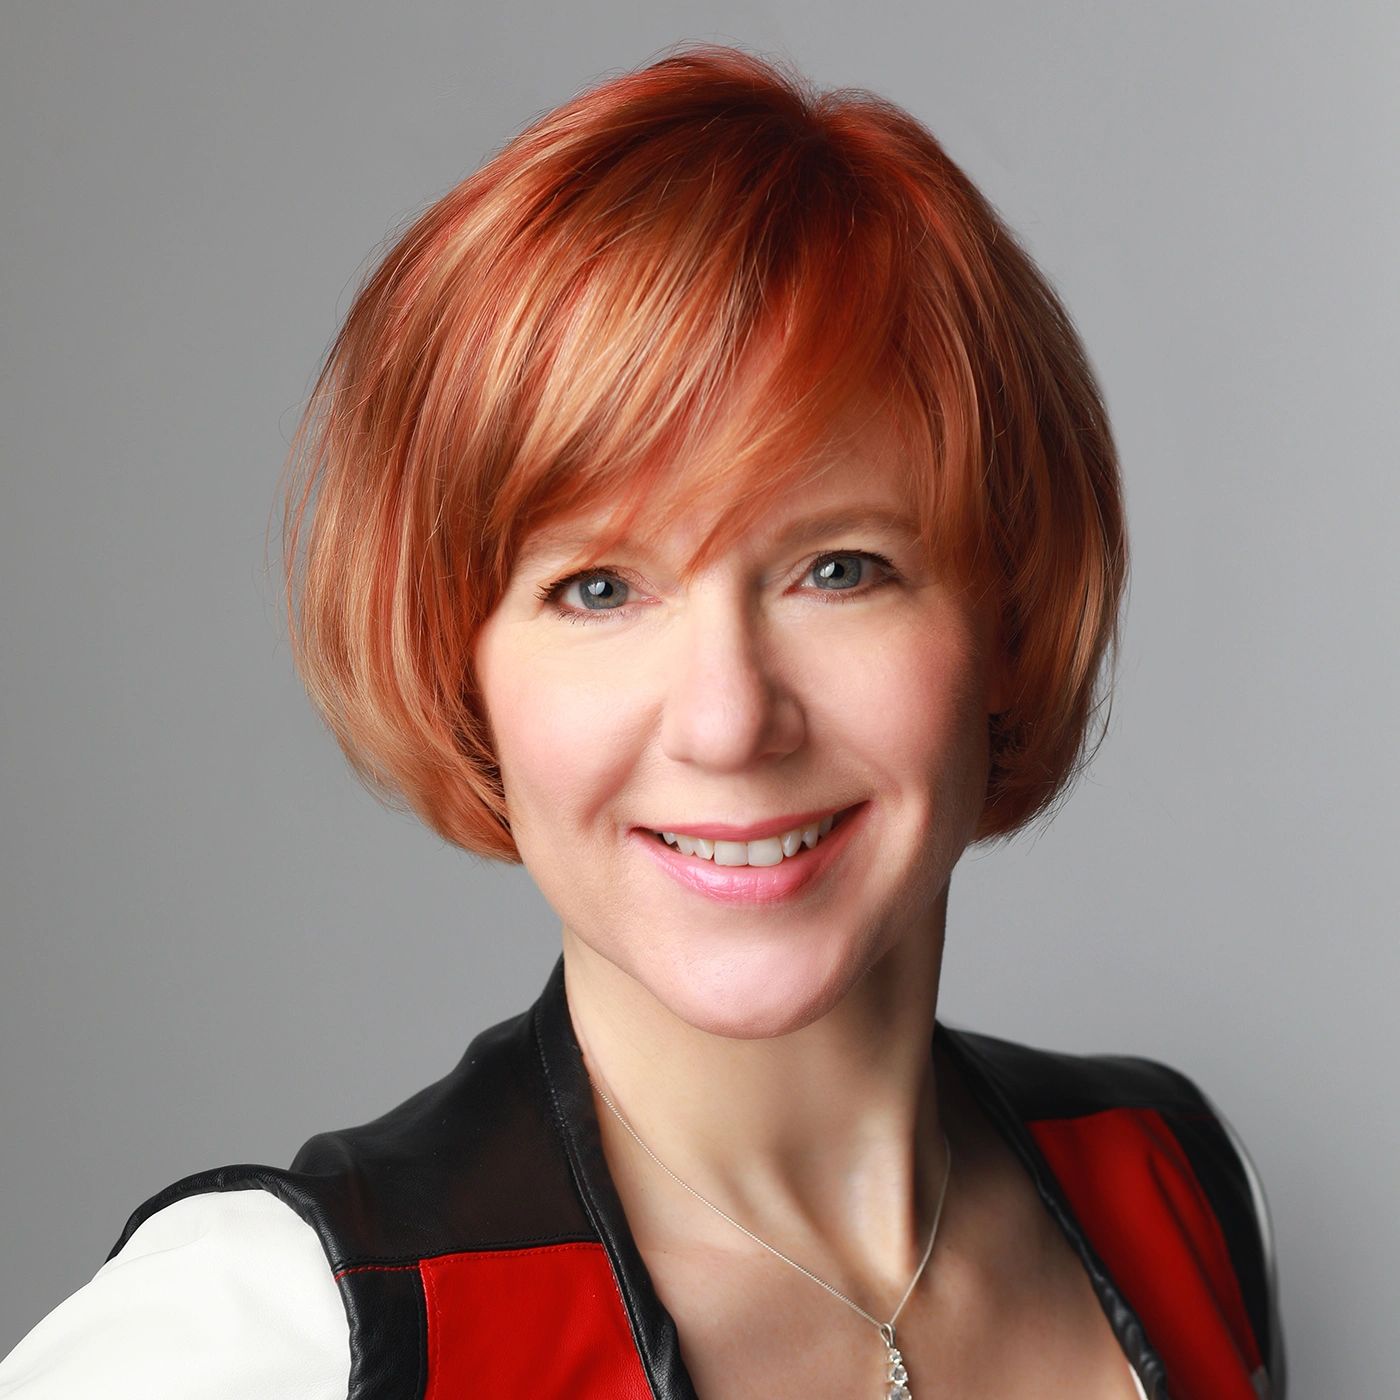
561	1305
219	1295
1129	1180
572	1097
1103	1170
475	1229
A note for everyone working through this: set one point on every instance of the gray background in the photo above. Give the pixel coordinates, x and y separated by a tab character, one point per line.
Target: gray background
215	942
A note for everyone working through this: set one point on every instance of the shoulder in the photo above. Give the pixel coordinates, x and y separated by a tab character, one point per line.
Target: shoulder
213	1294
1119	1097
1059	1083
249	1279
259	1271
463	1157
474	1160
1131	1139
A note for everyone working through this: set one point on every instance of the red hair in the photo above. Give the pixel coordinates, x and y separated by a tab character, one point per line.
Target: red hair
702	261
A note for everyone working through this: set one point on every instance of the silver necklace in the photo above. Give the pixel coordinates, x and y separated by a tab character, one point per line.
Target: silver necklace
897	1375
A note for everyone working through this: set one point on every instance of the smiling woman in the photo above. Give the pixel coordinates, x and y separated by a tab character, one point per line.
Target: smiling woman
821	665
710	506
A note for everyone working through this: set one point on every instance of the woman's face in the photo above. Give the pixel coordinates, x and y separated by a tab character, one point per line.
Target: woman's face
797	676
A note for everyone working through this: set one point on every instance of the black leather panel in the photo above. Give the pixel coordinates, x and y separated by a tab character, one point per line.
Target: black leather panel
388	1333
1058	1084
470	1162
473	1161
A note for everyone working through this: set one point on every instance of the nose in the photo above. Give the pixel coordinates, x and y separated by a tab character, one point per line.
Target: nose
730	699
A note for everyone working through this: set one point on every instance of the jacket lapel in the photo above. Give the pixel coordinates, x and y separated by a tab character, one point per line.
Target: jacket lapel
653	1328
1003	1096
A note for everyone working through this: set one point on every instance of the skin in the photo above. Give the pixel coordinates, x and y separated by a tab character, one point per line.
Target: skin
776	1056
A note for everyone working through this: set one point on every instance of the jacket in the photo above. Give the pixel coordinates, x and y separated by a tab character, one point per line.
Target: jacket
479	1246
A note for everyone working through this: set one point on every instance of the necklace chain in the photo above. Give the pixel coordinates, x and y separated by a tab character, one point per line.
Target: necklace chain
883	1327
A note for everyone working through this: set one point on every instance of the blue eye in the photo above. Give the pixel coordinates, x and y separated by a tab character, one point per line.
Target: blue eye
603	591
830	567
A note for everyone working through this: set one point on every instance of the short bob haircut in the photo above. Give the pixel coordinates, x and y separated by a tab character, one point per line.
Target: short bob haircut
680	279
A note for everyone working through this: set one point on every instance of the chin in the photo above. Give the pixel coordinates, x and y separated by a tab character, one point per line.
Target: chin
755	993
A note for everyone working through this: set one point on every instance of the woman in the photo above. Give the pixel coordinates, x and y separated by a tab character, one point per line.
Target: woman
714	510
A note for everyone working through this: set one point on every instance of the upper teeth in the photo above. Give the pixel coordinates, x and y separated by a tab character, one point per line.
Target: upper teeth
769	851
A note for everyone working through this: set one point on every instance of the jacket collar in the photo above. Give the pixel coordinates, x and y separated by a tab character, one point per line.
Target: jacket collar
994	1086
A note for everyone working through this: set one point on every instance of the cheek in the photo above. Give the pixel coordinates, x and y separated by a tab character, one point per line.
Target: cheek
561	738
916	700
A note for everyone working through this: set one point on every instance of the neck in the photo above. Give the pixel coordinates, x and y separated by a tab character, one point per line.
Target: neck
827	1138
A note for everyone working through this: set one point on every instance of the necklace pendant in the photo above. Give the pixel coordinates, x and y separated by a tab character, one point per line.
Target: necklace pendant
896	1377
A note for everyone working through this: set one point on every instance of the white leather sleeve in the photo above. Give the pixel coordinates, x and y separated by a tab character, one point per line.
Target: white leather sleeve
221	1296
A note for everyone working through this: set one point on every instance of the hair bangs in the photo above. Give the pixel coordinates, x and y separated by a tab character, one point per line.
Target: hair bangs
704	347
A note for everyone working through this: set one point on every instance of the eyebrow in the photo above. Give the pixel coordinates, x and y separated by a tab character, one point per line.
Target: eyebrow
830	522
863	518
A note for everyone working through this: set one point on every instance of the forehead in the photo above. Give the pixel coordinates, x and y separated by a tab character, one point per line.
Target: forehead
861	479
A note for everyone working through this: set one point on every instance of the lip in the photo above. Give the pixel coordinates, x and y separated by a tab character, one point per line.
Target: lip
725	831
754	884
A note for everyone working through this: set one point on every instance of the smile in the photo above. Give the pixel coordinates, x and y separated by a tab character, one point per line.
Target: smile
770	850
759	871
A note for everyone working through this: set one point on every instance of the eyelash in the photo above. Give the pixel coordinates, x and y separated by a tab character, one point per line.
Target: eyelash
549	592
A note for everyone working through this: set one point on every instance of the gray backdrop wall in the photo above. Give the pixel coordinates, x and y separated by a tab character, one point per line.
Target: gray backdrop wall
215	943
